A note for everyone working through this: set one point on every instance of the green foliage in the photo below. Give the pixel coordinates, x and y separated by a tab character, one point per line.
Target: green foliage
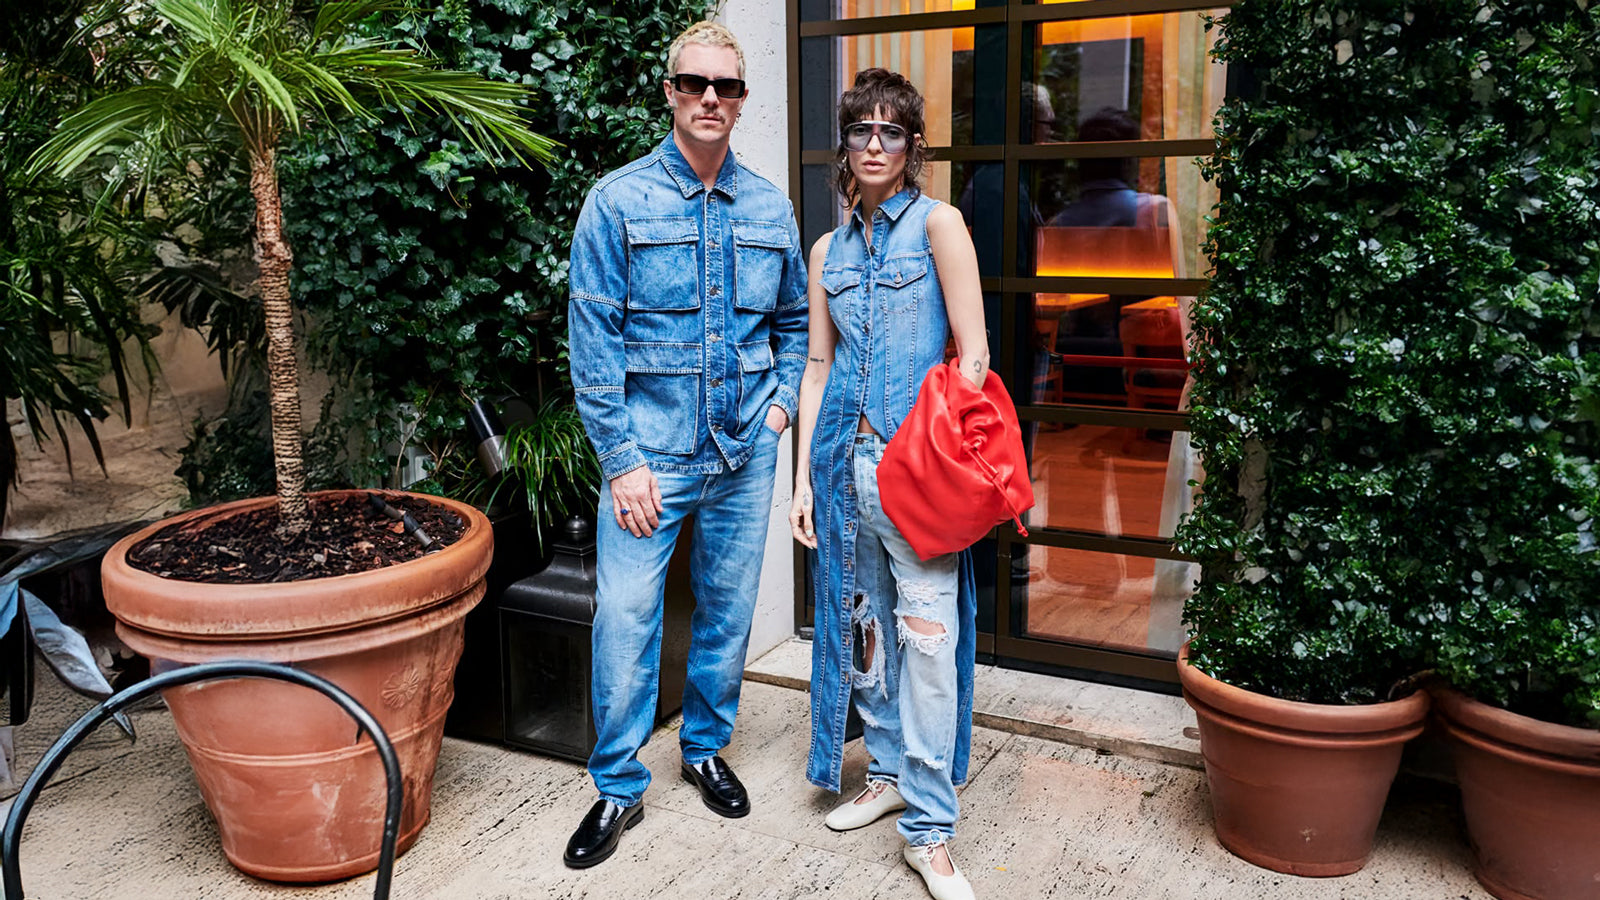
68	259
439	278
551	469
229	457
1398	355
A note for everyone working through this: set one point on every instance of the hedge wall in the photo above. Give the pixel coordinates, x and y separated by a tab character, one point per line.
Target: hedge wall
1398	354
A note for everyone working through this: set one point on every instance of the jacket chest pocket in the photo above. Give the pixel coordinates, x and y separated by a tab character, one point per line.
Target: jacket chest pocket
903	282
663	268
759	250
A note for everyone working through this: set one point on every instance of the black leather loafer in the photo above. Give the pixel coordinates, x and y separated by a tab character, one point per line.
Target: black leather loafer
600	832
719	787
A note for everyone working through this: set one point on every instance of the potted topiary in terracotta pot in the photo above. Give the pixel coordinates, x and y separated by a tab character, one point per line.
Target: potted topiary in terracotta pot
1314	369
1516	632
212	71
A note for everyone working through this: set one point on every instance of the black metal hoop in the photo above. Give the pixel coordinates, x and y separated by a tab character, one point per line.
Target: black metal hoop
92	719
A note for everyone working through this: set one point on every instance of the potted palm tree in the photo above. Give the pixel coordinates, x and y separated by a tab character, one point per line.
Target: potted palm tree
294	797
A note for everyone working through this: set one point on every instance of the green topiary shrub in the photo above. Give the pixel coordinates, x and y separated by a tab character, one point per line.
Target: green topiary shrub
1396	357
437	278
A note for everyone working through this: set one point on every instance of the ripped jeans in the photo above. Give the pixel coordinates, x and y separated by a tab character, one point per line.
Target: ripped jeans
904	684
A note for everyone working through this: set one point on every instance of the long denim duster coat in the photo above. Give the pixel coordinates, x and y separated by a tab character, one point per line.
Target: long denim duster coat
888	308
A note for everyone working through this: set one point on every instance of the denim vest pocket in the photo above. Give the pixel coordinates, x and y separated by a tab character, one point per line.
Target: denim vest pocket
759	248
663	395
837	281
662	263
900	280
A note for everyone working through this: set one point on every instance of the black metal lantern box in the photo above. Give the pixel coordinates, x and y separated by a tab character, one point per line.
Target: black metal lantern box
524	676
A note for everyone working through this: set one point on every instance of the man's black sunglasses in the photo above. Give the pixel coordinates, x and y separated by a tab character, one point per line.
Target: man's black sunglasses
726	88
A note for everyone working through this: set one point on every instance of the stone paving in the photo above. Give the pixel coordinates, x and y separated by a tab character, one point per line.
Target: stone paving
1041	819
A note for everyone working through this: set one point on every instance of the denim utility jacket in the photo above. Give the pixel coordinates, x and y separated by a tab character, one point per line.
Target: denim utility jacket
687	318
888	308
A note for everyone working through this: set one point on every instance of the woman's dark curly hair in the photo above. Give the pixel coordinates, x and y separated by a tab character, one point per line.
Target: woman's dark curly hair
902	103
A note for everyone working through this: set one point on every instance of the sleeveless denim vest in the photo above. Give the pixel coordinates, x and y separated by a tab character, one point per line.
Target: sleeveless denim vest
888	308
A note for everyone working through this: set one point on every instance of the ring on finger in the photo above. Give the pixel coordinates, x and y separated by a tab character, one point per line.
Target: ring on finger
626	511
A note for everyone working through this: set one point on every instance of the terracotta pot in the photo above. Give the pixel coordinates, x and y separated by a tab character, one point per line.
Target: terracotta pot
1531	794
1298	787
296	796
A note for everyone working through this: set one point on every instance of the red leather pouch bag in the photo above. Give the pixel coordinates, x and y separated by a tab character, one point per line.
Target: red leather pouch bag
956	467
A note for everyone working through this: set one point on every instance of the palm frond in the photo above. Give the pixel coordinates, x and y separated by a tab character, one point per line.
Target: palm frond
335	20
206	22
111	120
276	94
485	112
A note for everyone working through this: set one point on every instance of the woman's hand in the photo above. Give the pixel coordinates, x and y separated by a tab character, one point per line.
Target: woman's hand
801	524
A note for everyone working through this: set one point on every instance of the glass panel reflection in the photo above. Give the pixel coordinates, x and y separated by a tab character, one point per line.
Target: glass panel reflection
1109	481
1155	69
861	9
1117	217
960	72
1103	599
1107	350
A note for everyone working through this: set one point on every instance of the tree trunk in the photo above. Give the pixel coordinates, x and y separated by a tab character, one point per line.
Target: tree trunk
274	260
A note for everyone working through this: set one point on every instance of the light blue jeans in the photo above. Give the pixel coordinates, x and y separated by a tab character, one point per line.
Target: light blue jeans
731	511
905	683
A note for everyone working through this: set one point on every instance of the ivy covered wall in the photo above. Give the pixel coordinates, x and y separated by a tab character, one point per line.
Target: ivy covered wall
434	276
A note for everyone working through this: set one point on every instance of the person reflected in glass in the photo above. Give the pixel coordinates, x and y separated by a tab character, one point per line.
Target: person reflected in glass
1106	197
1124	232
895	634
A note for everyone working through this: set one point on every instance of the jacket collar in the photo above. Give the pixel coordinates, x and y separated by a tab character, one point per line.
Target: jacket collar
688	182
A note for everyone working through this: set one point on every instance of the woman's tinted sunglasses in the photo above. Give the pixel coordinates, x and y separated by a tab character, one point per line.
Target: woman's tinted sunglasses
726	88
891	137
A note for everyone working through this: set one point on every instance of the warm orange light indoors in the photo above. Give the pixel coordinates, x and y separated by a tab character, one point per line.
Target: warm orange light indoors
1105	252
963	36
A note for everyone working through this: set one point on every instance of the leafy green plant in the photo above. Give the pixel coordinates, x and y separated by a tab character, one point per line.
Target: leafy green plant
1396	357
248	75
436	279
551	461
68	260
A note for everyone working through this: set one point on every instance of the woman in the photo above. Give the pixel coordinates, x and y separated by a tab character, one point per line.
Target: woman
893	633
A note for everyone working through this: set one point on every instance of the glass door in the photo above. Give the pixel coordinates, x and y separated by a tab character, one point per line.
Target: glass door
1067	134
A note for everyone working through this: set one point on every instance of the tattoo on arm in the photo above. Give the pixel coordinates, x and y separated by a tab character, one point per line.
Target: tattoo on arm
816	359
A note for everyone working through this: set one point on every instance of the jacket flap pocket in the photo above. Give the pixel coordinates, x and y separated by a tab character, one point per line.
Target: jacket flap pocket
663	230
649	357
755	356
903	271
760	234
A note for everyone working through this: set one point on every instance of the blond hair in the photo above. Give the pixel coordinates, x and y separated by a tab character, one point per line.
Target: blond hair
709	34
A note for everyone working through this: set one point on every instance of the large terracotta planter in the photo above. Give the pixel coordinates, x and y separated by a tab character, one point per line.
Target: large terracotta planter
296	795
1531	794
1298	787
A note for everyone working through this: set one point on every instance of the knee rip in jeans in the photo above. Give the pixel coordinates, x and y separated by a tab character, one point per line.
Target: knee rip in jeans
867	661
918	626
935	765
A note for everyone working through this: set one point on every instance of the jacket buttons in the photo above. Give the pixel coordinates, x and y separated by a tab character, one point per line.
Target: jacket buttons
716	382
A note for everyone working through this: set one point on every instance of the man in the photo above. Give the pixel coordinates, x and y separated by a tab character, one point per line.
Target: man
688	331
